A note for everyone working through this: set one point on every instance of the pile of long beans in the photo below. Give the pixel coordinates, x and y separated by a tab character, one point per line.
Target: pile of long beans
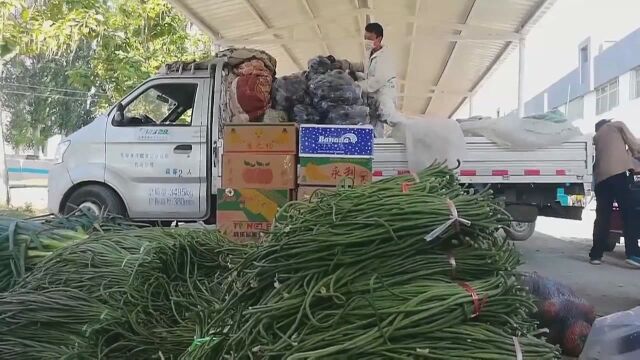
372	273
137	294
25	242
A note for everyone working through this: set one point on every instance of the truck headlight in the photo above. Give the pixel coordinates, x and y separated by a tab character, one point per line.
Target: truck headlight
62	148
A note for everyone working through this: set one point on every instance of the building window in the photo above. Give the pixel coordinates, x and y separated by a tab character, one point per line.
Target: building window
607	97
635	83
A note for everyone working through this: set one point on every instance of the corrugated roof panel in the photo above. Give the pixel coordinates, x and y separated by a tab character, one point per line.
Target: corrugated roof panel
453	49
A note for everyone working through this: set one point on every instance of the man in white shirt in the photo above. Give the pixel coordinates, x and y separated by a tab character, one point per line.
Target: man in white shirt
377	75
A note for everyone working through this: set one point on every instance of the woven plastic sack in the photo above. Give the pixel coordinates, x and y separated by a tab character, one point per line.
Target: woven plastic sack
289	91
348	115
321	65
336	87
253	96
614	337
528	133
306	114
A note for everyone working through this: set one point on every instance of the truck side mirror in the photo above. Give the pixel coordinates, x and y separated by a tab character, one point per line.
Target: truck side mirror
118	116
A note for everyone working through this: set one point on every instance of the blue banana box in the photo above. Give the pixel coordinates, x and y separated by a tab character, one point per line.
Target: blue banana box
336	140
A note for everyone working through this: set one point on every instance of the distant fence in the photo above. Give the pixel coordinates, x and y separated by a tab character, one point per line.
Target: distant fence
28	173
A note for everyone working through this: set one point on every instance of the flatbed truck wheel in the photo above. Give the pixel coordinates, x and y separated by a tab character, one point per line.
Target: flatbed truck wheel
520	231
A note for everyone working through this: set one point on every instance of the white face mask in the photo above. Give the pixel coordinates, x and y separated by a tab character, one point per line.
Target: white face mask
368	45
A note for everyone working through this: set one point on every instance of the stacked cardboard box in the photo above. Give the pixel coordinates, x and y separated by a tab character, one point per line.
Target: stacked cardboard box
333	156
258	177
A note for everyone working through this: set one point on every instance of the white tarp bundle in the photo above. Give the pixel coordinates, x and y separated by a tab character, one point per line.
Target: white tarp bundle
614	337
528	133
429	139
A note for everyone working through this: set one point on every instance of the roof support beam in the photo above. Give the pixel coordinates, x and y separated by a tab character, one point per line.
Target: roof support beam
531	21
451	56
290	40
521	78
411	52
363	12
256	13
435	92
307	7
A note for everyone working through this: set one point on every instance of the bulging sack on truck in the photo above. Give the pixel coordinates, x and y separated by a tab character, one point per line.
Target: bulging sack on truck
321	65
528	133
567	316
251	97
289	91
348	115
429	139
306	114
336	87
614	337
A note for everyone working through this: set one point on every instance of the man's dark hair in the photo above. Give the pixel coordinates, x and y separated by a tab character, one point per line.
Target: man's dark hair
375	28
602	123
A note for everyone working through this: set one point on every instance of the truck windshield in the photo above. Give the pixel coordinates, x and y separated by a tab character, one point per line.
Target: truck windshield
162	104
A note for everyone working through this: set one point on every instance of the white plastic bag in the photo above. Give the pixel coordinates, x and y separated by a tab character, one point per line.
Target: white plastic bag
429	139
614	337
528	133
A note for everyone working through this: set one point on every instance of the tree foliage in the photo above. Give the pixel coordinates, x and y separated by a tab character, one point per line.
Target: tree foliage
31	94
109	46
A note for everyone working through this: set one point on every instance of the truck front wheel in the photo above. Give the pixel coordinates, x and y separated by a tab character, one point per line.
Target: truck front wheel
520	231
95	198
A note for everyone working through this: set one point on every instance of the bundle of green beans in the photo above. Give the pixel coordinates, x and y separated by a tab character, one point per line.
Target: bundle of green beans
141	294
354	274
25	242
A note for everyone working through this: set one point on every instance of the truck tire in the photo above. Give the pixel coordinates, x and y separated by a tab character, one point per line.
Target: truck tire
612	241
95	198
520	231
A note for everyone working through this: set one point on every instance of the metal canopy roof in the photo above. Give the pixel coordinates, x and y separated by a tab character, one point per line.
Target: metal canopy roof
443	49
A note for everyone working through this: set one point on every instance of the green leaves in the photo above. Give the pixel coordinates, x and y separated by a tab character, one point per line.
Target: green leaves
111	46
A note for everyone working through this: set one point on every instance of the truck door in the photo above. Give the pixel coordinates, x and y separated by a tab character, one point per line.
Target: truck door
154	149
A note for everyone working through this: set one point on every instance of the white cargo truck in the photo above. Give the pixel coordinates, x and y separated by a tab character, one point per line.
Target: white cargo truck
155	156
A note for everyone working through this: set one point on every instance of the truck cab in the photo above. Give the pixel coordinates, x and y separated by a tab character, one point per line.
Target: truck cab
152	156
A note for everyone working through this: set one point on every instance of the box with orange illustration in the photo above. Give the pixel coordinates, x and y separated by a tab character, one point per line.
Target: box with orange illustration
333	171
247	214
258	171
263	138
305	193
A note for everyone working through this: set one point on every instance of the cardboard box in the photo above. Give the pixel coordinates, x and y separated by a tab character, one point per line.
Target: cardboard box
247	214
304	193
325	171
260	138
258	171
336	141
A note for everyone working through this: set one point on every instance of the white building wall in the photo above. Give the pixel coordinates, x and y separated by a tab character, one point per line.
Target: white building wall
552	50
628	110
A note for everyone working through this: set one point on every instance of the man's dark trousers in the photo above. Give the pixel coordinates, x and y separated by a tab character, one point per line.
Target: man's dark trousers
615	188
